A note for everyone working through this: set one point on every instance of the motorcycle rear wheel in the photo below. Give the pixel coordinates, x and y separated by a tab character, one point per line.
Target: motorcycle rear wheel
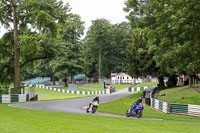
139	114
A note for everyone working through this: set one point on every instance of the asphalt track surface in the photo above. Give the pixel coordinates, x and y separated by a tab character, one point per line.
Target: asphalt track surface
79	105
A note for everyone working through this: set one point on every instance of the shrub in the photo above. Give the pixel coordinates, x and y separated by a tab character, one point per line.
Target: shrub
4	89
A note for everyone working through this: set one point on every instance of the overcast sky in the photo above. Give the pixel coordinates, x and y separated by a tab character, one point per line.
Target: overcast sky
111	10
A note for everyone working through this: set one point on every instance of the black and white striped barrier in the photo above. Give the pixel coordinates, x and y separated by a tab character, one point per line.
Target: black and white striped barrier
105	91
6	98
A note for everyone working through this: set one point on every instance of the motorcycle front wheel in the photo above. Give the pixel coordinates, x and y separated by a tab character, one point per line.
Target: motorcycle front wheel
87	110
127	113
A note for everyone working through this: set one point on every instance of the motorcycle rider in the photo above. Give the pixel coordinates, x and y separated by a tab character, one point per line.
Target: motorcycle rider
137	102
94	99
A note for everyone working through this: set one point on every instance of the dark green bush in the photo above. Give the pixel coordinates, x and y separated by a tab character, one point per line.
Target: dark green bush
4	89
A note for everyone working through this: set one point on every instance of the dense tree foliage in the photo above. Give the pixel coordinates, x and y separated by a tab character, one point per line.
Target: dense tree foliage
162	40
105	47
173	28
140	61
69	59
34	25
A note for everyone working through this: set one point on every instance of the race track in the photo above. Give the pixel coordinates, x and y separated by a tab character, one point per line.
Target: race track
78	105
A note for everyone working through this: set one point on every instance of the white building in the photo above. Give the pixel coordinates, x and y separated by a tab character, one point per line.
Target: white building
123	78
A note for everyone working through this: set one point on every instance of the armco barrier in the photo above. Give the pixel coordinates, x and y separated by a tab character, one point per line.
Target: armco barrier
193	110
160	105
14	98
172	108
105	91
185	109
175	108
136	89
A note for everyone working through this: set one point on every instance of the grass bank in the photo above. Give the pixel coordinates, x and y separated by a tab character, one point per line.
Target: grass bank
121	105
16	120
98	87
56	95
146	84
183	95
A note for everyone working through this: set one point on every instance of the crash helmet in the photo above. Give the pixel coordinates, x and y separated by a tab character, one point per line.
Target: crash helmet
140	99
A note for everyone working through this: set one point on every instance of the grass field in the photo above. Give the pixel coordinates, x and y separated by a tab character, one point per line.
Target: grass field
16	120
98	87
121	105
146	84
56	95
184	95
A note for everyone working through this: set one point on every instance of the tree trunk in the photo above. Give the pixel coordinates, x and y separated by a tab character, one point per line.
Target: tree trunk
134	81
72	78
66	83
99	66
53	80
190	81
16	48
161	83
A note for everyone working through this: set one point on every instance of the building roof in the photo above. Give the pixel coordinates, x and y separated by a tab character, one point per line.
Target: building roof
122	74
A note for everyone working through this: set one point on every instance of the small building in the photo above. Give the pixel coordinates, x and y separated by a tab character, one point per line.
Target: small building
123	78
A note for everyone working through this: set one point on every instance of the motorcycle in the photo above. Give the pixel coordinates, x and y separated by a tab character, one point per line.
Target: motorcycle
93	107
136	112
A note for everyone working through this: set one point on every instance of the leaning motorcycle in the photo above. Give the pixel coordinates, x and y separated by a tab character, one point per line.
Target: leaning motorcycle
136	112
93	107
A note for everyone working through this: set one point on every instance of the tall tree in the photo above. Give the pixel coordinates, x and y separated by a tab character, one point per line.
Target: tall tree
105	47
176	36
172	32
121	37
32	22
140	62
70	62
97	41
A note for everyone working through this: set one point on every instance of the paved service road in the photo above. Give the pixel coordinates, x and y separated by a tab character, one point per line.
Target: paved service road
78	105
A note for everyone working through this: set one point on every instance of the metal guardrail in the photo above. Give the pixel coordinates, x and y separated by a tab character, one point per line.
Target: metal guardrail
172	108
14	98
105	91
135	89
185	109
160	105
175	108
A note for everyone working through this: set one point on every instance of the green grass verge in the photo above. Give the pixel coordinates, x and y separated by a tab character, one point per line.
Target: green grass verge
183	95
88	87
121	86
56	95
146	84
98	87
16	120
120	107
